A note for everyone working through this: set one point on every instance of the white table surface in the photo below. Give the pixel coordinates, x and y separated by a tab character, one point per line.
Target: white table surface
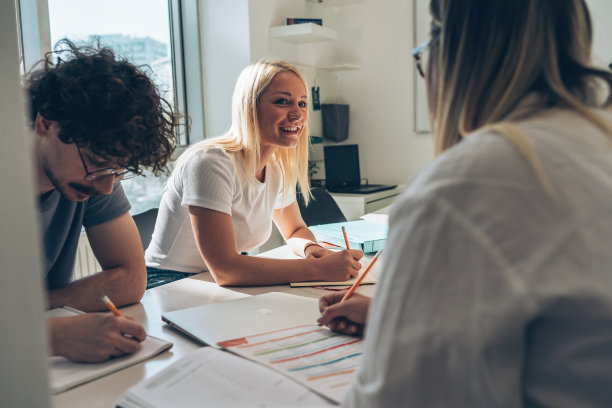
193	291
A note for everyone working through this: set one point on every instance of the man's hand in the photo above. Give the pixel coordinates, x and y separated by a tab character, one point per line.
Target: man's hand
347	317
94	337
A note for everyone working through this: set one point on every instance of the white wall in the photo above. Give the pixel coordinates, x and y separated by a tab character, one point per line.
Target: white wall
226	48
23	380
377	35
381	92
601	14
268	13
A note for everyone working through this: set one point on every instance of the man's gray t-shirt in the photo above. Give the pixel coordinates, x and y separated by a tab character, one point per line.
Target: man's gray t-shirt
61	222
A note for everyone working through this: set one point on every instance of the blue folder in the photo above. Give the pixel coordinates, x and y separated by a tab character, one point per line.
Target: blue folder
365	235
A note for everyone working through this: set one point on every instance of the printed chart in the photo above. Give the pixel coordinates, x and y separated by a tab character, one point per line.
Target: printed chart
314	356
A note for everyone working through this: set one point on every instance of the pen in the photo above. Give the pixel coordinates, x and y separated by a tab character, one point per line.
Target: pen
355	285
111	306
345	237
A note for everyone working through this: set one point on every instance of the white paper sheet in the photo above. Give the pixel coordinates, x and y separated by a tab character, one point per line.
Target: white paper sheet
216	378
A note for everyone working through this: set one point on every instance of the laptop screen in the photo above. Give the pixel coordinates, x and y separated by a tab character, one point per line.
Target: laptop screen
341	166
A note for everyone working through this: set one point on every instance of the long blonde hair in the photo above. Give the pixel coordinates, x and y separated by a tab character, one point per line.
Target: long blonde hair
487	55
243	139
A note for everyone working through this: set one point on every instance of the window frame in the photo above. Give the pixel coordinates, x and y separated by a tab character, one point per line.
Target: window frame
186	55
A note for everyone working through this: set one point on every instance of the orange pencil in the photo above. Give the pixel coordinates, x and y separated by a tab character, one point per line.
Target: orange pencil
345	238
111	306
353	288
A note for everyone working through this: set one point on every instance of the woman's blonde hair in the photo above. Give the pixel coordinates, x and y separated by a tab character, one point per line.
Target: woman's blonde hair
487	55
243	139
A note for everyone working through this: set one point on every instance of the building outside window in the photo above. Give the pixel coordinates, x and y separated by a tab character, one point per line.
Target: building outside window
138	30
146	32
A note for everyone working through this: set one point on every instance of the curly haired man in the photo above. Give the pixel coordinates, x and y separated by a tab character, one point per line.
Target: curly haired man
96	119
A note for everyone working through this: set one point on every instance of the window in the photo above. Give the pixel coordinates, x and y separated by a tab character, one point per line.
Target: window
160	35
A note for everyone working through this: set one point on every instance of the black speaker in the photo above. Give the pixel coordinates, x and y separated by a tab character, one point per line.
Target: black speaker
335	121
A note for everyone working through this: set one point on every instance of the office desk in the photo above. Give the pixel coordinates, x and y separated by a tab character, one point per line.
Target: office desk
354	206
193	291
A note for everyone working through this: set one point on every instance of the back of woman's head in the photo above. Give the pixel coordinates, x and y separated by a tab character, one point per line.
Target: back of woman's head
487	55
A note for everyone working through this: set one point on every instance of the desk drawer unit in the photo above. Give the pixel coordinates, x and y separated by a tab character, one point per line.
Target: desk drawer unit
354	206
378	204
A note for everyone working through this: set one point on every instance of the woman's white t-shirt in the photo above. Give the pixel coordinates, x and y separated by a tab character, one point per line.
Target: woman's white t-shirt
209	179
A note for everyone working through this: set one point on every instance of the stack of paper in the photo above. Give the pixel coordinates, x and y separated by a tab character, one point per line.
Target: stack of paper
208	377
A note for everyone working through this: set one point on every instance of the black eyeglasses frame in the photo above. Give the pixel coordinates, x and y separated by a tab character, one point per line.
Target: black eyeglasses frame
96	175
417	53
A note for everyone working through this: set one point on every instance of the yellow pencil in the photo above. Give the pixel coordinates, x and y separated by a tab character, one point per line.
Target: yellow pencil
345	238
111	306
353	288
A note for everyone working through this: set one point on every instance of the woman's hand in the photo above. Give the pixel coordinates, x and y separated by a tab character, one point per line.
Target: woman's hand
347	317
316	251
338	266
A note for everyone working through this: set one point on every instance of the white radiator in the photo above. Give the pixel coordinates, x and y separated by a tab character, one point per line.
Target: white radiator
86	263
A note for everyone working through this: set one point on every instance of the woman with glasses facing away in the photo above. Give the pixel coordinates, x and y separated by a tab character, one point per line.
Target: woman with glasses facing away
225	192
497	288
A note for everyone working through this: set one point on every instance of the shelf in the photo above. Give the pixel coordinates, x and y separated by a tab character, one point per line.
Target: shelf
338	67
332	3
341	67
302	33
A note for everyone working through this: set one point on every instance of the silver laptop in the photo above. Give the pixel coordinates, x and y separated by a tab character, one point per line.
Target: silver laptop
219	322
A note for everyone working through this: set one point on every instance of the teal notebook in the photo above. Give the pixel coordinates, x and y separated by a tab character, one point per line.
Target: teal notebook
365	235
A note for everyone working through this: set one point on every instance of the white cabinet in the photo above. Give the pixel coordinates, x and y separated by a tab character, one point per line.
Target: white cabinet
355	205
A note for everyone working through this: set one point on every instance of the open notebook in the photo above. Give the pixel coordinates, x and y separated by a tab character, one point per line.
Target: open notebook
370	278
65	374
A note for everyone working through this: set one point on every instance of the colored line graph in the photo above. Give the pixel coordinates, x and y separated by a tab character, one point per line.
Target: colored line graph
294	346
320	377
311	355
315	353
325	363
279	339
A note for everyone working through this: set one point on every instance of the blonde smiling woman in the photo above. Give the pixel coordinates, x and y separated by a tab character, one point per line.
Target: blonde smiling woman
225	192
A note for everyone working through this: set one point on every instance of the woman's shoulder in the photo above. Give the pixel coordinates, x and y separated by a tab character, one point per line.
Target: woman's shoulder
205	163
208	156
481	154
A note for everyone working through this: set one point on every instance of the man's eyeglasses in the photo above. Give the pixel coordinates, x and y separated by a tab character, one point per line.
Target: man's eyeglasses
96	175
417	53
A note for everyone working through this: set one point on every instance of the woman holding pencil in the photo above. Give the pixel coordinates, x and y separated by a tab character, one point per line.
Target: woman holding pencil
225	192
496	288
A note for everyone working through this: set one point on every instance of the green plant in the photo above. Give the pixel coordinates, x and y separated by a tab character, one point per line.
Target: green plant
313	168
